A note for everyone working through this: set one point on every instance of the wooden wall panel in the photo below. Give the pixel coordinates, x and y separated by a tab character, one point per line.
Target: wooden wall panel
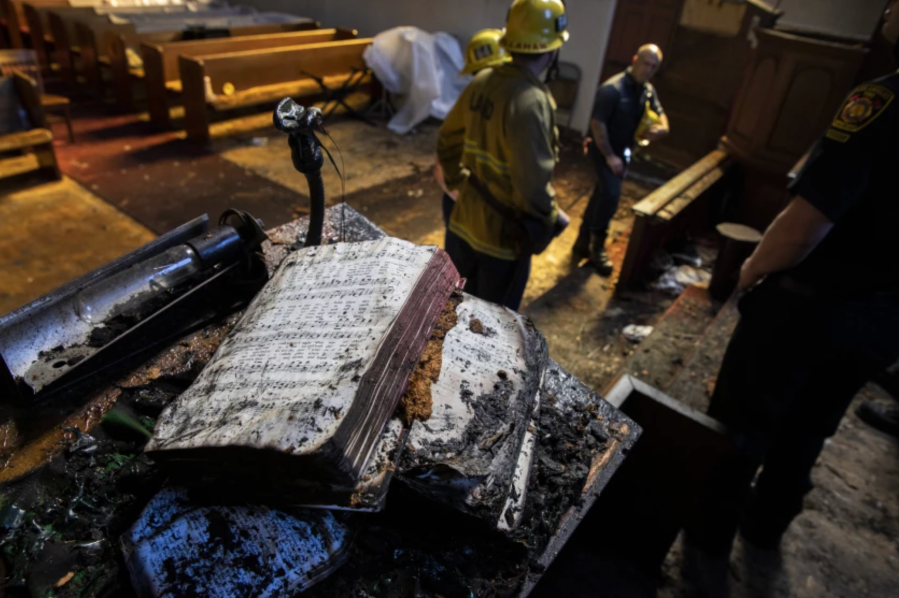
794	87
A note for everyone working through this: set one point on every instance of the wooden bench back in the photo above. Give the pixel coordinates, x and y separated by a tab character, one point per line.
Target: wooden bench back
18	6
160	59
21	61
255	68
100	30
38	31
274	28
100	15
61	22
125	36
13	12
168	53
63	29
30	97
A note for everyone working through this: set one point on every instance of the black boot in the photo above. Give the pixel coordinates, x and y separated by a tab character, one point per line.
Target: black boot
599	257
882	416
778	499
581	247
763	530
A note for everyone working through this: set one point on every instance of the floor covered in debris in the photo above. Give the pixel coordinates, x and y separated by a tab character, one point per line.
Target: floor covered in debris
124	184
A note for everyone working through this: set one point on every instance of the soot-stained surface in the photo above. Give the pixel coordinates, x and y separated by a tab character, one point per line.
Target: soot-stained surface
67	517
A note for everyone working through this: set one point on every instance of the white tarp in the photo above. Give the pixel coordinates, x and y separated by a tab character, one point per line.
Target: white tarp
422	69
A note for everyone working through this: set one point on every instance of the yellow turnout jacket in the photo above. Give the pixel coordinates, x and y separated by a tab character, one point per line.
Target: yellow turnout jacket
502	130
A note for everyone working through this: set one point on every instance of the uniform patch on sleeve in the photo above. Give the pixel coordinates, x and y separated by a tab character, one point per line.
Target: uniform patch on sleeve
860	109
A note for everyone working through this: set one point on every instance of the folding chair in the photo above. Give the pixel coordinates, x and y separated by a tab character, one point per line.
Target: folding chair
338	95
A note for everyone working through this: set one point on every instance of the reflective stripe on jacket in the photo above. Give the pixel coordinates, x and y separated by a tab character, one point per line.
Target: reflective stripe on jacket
502	130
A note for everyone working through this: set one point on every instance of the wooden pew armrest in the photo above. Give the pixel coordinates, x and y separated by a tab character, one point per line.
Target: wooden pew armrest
49	100
23	139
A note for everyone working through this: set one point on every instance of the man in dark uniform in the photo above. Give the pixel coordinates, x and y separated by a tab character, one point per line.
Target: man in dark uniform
819	319
619	108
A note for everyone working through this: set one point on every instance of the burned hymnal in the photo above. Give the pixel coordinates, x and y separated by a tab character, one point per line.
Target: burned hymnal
369	494
177	548
473	452
303	387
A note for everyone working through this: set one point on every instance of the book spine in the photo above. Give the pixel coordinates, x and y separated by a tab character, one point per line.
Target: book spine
384	383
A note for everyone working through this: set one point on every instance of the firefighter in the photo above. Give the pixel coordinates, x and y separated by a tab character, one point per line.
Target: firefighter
497	147
820	317
483	51
626	111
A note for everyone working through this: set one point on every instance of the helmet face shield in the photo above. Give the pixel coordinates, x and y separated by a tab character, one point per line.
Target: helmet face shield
535	26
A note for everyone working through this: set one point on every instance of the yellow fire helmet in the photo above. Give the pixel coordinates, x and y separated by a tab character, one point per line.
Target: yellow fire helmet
535	26
484	50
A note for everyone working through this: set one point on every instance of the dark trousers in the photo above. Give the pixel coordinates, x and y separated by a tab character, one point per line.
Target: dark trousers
792	367
489	278
447	204
603	202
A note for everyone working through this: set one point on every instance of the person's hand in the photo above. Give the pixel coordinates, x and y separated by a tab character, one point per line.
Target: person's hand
616	164
588	141
438	176
749	278
654	133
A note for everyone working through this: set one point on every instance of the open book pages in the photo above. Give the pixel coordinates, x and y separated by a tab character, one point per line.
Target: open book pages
304	385
469	452
180	549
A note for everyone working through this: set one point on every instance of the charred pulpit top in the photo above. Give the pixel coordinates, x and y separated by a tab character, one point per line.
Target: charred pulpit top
63	522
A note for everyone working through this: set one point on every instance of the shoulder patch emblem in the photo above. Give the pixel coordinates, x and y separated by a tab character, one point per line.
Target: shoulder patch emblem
862	107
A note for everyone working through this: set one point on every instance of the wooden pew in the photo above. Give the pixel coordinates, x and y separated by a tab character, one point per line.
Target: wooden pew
113	45
39	138
39	34
161	61
93	59
14	19
67	34
65	47
35	12
264	77
25	62
669	211
103	45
